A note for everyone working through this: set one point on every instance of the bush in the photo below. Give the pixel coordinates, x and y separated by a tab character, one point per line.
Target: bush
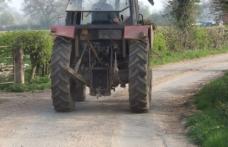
201	39
160	43
173	39
217	37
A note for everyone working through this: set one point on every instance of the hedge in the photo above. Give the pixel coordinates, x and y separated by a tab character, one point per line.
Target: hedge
169	39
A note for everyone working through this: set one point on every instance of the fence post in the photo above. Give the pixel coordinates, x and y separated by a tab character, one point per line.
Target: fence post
19	66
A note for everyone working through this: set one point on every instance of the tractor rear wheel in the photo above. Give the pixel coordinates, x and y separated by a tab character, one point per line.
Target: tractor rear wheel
62	100
139	77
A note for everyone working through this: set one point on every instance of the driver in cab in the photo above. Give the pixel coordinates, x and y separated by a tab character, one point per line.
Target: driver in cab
101	17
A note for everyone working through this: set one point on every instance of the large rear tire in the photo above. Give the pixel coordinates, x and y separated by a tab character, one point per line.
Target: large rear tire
62	100
139	77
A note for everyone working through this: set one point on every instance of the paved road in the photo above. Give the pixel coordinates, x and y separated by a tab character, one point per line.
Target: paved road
28	120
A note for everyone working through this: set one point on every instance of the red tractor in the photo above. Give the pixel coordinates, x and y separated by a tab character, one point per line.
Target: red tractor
104	44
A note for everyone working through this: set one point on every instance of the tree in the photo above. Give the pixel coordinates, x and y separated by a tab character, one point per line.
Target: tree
4	1
6	19
2	5
145	10
222	4
183	12
46	12
220	8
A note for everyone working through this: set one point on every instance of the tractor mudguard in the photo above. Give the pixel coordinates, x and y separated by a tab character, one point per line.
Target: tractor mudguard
64	31
139	33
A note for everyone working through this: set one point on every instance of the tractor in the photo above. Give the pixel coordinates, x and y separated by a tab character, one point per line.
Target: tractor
103	45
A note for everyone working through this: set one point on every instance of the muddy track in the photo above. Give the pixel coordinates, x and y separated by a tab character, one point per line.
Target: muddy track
28	119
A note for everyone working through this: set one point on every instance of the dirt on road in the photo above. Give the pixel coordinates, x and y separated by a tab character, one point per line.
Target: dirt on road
28	119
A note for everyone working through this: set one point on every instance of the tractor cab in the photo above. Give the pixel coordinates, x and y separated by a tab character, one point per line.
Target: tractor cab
104	11
99	11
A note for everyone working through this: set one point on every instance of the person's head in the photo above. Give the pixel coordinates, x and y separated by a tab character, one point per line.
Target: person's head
103	1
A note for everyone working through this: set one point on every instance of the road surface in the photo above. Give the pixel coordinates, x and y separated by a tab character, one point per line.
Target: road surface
28	119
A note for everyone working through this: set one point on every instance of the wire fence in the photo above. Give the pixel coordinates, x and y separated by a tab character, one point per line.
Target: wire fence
3	47
6	68
6	74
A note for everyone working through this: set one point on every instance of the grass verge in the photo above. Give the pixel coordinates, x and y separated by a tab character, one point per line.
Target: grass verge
208	127
171	57
38	84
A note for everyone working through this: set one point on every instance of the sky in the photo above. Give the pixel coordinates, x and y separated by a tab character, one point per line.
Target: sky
159	4
16	4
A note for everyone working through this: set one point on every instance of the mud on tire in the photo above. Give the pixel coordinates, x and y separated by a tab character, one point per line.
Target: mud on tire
139	77
78	91
62	100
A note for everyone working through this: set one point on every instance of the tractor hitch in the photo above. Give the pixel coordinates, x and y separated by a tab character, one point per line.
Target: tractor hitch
75	75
